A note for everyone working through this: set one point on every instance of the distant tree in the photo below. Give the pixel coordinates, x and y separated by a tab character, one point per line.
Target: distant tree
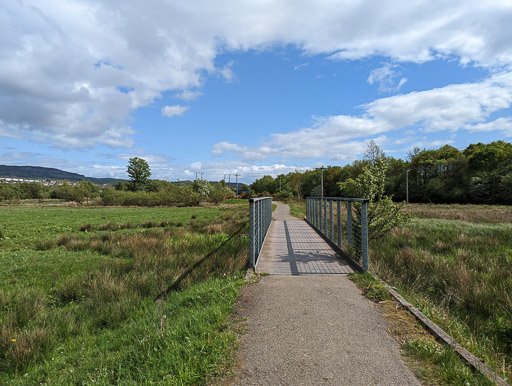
139	173
264	184
88	189
373	152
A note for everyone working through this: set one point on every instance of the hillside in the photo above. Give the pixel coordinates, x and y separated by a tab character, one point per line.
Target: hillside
42	173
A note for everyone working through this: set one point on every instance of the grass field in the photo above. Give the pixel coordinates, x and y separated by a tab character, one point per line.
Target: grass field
89	295
455	263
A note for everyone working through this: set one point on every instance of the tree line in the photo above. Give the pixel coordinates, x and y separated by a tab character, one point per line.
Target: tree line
481	173
140	190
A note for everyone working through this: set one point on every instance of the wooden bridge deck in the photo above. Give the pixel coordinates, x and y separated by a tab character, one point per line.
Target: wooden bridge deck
292	247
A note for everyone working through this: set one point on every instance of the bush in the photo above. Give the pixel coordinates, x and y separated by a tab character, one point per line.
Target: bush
170	196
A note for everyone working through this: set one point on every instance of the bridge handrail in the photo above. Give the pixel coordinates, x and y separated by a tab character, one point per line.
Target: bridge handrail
260	217
330	225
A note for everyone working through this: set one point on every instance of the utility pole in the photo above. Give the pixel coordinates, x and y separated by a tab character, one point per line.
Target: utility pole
196	175
225	177
229	175
201	175
236	175
407	185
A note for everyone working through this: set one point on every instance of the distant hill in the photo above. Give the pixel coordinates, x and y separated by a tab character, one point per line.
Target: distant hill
42	173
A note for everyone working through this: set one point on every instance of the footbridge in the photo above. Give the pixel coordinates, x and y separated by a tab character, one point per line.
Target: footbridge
332	239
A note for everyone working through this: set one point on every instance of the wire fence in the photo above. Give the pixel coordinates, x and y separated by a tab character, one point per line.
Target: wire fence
260	217
343	222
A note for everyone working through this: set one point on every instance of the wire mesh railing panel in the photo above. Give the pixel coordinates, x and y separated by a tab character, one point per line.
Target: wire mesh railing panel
344	222
260	217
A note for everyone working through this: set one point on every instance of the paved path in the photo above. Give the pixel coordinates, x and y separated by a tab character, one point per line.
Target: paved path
292	247
314	329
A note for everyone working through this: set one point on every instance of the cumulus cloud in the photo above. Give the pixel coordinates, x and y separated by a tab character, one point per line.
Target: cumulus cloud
72	73
171	111
341	137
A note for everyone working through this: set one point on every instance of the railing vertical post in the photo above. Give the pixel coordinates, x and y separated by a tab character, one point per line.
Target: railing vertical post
252	236
338	213
308	209
349	228
364	234
313	211
319	214
258	225
325	216
331	221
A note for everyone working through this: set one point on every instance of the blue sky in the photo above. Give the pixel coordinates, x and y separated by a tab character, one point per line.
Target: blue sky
254	88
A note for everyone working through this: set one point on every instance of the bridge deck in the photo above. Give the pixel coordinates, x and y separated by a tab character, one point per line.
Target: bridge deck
292	247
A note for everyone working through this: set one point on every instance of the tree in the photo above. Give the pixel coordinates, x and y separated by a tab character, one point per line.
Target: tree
139	173
88	189
383	213
373	152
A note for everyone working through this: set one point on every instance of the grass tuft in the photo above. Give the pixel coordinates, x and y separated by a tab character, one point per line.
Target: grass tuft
370	286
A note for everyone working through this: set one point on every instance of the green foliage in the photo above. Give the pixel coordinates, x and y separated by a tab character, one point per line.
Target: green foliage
383	213
441	364
370	286
170	196
139	173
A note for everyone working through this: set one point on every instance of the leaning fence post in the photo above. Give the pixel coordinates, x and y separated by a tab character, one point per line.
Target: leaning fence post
364	234
349	228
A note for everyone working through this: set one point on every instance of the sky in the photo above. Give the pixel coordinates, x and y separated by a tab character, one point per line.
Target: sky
254	88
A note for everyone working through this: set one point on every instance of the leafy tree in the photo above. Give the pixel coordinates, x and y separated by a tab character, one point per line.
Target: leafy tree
383	213
88	189
139	173
264	184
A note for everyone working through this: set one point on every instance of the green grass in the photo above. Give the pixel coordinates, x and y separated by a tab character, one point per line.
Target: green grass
440	364
79	306
297	207
370	286
22	226
460	274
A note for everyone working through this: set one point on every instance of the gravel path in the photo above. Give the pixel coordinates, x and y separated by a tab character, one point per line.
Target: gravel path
315	329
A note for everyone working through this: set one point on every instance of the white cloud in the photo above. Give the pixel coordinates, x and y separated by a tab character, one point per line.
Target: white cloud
227	72
188	95
171	111
385	76
300	66
341	137
72	73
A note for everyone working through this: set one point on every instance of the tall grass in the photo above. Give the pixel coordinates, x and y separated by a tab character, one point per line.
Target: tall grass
460	274
137	268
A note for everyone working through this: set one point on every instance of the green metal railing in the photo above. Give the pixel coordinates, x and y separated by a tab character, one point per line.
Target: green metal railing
260	217
348	222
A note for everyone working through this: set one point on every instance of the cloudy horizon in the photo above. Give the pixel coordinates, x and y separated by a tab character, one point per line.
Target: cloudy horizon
252	88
